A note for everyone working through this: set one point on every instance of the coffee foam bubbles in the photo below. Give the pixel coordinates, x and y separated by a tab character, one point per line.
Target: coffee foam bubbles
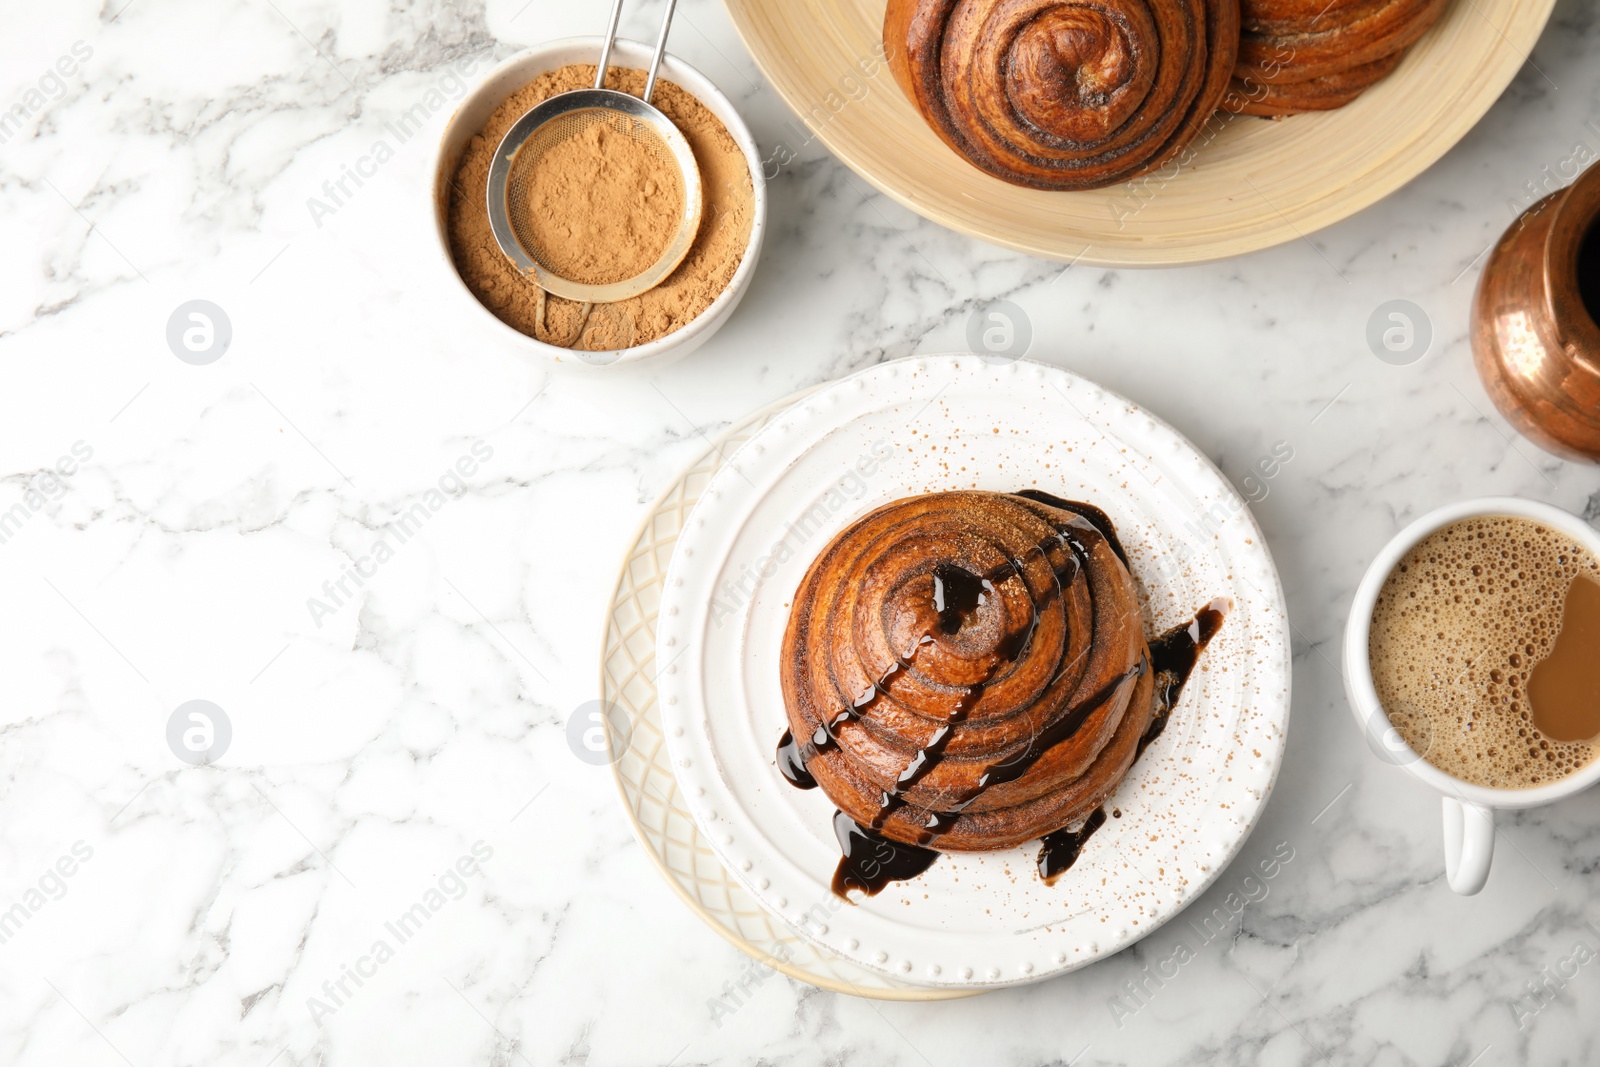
1458	626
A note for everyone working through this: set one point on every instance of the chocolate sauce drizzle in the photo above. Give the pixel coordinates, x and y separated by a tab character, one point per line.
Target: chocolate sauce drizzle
1098	520
1059	850
957	594
791	765
871	861
1172	657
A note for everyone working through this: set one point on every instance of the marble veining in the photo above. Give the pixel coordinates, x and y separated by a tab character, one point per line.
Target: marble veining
399	858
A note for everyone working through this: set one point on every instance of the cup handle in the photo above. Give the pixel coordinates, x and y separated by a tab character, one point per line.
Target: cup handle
1468	844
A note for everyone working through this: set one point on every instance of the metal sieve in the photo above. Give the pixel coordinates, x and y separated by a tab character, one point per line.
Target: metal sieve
558	120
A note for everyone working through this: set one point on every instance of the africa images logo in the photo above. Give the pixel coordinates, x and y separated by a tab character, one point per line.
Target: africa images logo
735	591
449	885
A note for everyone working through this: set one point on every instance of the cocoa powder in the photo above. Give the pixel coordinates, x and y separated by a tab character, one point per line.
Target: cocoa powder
601	206
704	273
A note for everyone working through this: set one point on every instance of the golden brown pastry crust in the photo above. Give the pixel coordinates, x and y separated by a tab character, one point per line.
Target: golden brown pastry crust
1247	96
1311	55
1016	723
1064	95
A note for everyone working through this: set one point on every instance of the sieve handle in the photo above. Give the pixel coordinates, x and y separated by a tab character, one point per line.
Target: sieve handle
661	47
605	49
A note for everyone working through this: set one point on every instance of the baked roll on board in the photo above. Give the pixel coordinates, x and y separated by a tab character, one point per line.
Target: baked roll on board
1313	55
1062	95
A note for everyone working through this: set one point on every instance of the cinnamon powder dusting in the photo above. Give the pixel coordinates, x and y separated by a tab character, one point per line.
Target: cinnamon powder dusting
604	244
602	206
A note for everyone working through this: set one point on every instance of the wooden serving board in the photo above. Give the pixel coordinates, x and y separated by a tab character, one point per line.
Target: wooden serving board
1253	183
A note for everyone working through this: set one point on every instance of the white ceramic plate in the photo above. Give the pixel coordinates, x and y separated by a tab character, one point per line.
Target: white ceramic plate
947	422
651	795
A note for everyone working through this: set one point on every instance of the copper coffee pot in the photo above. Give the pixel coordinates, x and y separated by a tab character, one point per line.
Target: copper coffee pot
1536	343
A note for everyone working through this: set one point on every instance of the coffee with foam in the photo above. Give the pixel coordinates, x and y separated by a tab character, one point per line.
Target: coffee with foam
1458	627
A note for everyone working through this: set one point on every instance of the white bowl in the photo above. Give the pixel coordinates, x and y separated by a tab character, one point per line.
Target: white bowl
518	71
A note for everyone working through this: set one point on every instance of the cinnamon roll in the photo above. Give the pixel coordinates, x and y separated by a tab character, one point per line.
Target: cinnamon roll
1312	55
970	669
1064	94
967	671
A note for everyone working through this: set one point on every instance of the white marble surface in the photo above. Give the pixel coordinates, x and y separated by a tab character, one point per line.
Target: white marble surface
427	713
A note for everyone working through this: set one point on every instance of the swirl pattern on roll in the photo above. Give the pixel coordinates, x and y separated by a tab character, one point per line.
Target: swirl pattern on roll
967	671
1312	55
1064	94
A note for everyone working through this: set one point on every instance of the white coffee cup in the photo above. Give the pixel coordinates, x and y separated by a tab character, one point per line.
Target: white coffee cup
1468	808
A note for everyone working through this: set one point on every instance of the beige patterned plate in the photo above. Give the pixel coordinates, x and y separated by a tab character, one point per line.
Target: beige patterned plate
650	791
1254	183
